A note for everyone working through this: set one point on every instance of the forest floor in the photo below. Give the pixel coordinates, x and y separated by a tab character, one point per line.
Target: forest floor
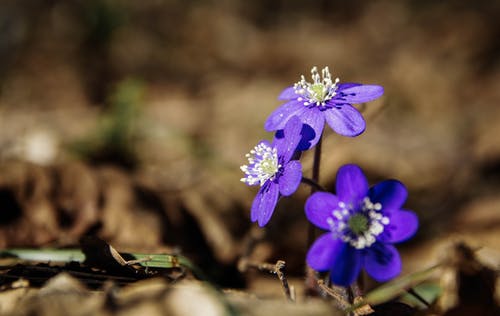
129	122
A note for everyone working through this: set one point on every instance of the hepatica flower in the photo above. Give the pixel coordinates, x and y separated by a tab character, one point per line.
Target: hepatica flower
270	165
363	225
322	100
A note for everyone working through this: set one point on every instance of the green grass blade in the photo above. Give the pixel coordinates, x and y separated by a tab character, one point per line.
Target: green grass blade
396	288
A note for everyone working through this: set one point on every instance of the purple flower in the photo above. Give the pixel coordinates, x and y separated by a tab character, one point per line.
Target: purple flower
321	100
363	223
271	166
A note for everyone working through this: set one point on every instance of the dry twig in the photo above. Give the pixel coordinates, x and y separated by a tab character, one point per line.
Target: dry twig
278	268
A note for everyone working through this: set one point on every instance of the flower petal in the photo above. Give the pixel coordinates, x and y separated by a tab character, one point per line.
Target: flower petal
346	267
382	262
316	120
290	179
345	85
264	203
345	120
351	184
390	193
288	94
308	135
282	114
361	93
287	145
323	252
402	226
319	208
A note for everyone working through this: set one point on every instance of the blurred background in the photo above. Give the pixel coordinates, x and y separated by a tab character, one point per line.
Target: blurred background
129	120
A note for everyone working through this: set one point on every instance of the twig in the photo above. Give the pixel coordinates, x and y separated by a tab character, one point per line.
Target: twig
364	309
357	299
278	268
340	300
343	303
280	272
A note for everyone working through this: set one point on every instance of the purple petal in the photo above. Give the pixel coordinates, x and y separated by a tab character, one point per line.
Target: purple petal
308	135
282	114
345	120
323	252
351	184
290	179
264	203
390	193
361	93
402	226
287	145
345	85
382	262
316	120
319	208
288	94
346	267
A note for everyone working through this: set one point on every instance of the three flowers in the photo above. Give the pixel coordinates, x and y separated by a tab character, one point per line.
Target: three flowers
363	223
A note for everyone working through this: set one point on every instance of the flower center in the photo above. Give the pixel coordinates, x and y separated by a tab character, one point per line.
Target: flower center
320	90
262	165
358	225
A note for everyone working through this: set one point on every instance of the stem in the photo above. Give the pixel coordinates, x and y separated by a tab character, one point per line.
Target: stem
312	184
317	161
311	232
311	285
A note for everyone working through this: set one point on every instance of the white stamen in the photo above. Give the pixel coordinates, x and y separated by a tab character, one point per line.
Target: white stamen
320	90
339	223
262	165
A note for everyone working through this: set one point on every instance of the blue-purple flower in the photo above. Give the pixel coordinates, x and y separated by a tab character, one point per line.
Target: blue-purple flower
271	166
324	99
363	225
